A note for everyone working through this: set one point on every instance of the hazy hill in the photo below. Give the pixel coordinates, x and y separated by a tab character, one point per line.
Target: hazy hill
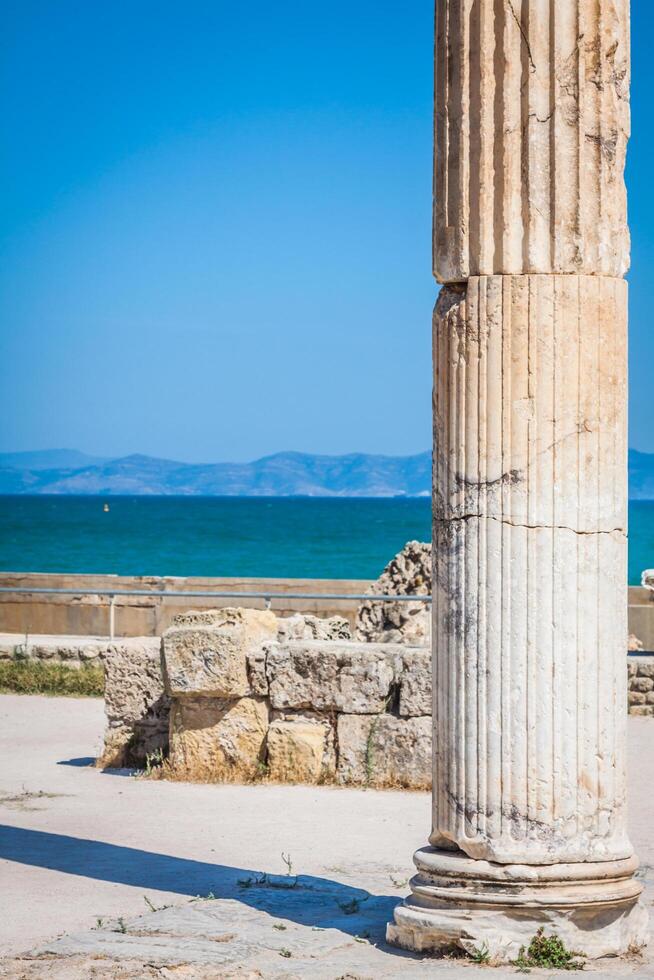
66	471
284	474
49	459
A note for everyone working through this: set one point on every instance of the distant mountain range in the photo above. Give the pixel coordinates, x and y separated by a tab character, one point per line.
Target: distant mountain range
67	471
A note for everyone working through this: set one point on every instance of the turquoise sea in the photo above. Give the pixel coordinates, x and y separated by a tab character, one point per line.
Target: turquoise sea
231	536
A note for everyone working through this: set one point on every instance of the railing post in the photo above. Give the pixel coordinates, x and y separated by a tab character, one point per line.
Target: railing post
112	616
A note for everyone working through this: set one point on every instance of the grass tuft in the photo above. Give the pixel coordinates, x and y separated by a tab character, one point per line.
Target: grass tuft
37	677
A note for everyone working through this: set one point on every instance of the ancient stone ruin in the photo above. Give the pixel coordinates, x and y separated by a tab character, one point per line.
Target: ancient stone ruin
529	487
408	573
239	695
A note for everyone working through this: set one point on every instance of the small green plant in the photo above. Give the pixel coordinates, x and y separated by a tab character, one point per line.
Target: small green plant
279	926
286	858
153	907
548	952
209	897
399	882
121	927
370	755
286	953
99	923
153	760
480	954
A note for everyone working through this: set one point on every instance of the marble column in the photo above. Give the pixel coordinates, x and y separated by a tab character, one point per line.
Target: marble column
529	494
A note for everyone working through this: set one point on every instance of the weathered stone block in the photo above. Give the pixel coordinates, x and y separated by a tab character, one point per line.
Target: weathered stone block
642	684
350	677
408	573
217	739
641	709
205	654
384	751
415	683
300	750
637	697
136	706
307	627
256	669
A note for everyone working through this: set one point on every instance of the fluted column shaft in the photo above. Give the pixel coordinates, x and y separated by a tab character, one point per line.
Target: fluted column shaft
529	483
532	122
529	583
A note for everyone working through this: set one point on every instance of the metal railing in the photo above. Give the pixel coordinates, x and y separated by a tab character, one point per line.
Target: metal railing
267	597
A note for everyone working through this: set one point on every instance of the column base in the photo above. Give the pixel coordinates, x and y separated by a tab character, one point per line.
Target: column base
458	902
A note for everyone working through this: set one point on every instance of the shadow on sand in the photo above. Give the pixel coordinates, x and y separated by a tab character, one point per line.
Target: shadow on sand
307	900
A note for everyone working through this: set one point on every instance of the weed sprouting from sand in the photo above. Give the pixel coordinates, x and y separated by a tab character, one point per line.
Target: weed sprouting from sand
481	954
279	926
286	858
286	953
153	907
26	800
121	927
153	760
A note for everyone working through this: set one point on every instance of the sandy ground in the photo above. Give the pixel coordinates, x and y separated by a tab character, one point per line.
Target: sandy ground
77	845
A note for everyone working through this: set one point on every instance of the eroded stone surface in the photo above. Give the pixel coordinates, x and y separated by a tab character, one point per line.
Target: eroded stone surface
205	653
384	751
217	739
408	573
415	682
136	705
532	122
350	677
542	364
306	627
300	750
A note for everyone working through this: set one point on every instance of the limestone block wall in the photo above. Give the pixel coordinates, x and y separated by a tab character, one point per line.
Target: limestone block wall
246	696
293	700
641	685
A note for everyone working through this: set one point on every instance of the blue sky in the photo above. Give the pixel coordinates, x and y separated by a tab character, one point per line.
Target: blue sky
215	227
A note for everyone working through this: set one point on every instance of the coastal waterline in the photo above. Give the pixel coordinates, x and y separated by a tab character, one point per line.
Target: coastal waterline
281	537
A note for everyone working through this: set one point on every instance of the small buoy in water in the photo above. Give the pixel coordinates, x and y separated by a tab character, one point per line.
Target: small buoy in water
106	508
